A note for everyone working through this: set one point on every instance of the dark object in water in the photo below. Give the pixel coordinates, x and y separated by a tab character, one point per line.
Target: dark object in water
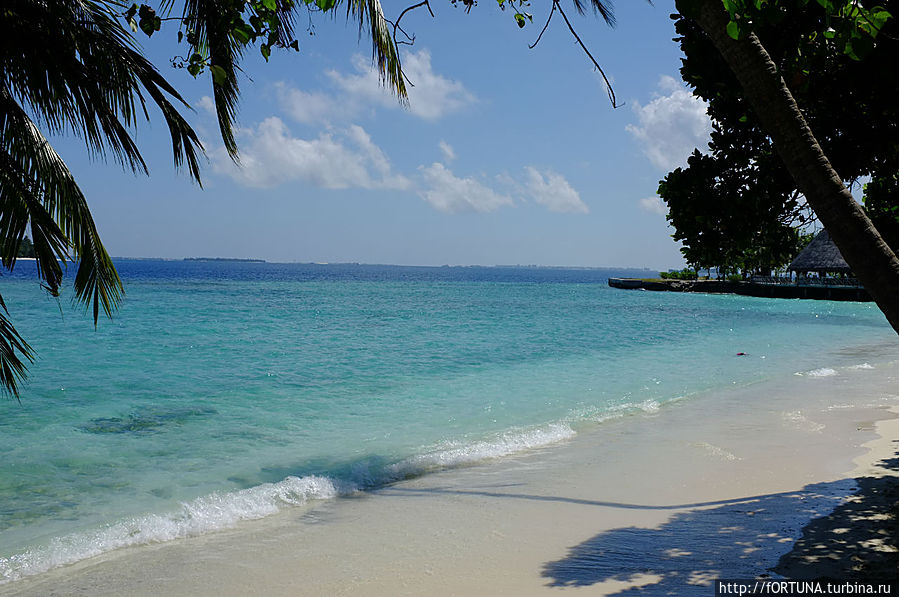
144	421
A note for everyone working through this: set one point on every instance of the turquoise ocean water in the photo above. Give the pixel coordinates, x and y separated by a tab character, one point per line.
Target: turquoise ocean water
226	391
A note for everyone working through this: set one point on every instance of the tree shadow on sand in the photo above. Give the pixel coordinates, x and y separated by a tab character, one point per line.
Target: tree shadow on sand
846	538
858	540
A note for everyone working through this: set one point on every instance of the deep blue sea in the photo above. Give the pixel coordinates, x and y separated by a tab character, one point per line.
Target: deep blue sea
227	391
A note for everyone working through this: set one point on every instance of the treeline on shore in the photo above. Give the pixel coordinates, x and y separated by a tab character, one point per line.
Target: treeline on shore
26	248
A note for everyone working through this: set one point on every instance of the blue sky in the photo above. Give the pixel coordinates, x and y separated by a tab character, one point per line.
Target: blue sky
506	155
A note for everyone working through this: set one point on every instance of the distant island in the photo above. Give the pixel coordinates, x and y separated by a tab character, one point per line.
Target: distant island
229	259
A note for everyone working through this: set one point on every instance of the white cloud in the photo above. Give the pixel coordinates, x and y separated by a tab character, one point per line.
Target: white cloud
551	190
431	96
449	154
311	108
451	194
370	151
206	104
653	205
671	126
270	156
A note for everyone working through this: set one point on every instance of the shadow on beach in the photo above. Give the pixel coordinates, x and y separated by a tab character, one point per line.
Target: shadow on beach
858	540
854	538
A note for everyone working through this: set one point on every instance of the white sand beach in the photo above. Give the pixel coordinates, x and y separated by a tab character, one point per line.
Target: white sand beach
714	486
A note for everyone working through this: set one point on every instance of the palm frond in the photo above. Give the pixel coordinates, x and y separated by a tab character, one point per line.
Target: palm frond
186	145
77	70
370	16
286	16
40	188
600	7
70	67
12	368
21	196
215	39
21	206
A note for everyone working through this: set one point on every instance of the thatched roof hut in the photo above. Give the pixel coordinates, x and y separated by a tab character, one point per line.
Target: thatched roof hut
821	256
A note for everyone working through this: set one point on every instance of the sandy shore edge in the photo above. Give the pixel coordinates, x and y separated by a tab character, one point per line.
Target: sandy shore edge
718	486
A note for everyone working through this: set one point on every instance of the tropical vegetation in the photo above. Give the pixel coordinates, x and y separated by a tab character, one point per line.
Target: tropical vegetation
853	28
736	207
683	274
26	249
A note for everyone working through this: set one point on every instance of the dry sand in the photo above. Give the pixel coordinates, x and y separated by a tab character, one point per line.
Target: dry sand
715	486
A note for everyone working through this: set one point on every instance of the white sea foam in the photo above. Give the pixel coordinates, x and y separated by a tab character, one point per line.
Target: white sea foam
597	414
862	366
224	510
822	372
453	454
199	516
800	421
649	406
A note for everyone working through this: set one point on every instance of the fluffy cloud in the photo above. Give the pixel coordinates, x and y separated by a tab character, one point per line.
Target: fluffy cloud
449	154
451	194
551	190
671	126
206	104
431	96
311	108
270	156
653	205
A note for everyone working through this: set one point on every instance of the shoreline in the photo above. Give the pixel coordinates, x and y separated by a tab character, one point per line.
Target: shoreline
659	500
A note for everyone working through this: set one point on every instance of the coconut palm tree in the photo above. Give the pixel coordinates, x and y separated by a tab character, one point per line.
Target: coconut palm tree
69	67
219	31
73	67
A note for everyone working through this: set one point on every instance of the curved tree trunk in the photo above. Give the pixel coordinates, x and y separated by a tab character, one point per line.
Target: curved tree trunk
872	260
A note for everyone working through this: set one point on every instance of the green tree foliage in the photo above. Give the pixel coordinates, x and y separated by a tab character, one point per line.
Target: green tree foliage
26	249
873	261
684	274
726	219
882	205
737	207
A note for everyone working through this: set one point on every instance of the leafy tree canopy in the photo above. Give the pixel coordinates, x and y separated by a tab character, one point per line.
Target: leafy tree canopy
738	207
26	249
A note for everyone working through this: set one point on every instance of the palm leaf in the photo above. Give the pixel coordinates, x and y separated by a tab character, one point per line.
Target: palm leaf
61	222
12	368
213	28
370	16
600	7
77	70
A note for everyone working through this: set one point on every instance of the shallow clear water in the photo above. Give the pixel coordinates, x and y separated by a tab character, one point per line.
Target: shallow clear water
226	391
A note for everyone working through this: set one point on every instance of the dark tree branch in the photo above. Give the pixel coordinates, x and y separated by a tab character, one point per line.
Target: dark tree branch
609	89
542	31
414	6
410	39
